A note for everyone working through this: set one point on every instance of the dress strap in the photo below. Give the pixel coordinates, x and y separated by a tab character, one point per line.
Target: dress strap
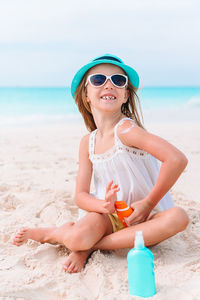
132	124
91	143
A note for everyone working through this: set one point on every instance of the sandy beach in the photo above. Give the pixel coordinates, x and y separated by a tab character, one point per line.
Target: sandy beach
38	167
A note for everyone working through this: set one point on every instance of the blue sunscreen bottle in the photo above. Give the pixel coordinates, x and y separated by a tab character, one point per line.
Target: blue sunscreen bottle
141	276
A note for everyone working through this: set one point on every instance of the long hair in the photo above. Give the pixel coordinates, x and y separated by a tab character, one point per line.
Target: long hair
129	109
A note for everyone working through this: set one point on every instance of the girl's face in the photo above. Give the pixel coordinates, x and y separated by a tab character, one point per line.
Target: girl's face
96	95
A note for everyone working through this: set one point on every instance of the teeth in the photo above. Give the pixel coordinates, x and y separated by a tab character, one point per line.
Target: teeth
108	97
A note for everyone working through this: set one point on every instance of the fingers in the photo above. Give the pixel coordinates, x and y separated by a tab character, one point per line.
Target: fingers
109	186
115	188
111	193
130	221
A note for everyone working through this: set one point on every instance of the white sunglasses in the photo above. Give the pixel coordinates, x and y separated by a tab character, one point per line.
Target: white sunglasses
98	80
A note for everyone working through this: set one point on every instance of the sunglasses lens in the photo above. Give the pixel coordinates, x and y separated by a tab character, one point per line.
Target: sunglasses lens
98	79
119	80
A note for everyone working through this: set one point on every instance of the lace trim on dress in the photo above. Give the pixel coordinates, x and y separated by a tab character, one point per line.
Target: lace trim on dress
117	148
91	142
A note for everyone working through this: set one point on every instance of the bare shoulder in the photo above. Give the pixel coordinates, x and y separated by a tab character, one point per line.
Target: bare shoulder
84	143
129	133
132	135
85	139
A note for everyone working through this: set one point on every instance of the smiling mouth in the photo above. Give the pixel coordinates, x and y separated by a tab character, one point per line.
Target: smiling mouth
108	98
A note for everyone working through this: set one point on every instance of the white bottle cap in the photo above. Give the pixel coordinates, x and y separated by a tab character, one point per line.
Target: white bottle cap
139	240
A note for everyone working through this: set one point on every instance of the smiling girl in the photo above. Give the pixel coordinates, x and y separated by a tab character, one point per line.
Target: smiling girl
122	158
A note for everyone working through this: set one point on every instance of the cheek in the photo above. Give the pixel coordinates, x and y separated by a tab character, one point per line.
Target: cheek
126	94
89	91
123	95
93	93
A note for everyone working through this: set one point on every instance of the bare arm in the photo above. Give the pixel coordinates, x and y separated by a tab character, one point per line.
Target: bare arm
173	160
82	194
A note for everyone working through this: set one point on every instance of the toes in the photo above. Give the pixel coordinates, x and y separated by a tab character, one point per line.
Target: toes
19	236
71	268
75	262
75	270
22	231
18	239
66	265
16	243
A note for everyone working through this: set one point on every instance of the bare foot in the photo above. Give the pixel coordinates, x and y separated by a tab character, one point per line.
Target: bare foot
76	261
37	234
51	235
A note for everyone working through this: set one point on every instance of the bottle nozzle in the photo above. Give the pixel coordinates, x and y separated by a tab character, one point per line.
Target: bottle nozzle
139	240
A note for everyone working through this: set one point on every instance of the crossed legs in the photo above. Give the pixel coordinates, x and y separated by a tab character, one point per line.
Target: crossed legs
79	237
94	231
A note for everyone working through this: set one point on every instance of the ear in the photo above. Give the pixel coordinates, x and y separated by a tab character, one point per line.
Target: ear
87	99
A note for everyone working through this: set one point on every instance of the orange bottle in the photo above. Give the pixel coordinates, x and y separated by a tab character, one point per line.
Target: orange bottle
123	211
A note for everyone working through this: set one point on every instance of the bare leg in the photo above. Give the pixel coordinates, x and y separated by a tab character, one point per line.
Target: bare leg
42	235
77	237
94	231
156	229
83	238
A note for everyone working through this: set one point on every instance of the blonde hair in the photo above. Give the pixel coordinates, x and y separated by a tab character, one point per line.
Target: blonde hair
129	109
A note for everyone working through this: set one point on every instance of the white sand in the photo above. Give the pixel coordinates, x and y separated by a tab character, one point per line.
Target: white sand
38	167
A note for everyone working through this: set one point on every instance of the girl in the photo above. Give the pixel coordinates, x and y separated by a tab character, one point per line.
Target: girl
122	157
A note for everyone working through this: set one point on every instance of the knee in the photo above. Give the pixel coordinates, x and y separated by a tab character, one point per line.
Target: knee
76	240
178	218
82	237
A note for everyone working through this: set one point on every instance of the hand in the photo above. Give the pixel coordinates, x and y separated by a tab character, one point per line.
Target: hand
142	209
111	197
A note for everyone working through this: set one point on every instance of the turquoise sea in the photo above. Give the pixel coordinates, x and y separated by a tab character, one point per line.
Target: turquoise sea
23	106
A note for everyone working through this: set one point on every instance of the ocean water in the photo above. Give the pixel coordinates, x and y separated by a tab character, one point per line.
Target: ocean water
23	106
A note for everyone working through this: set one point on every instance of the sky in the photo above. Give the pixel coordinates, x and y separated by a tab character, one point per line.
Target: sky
44	42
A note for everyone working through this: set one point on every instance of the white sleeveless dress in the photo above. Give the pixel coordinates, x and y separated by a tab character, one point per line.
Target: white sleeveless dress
134	170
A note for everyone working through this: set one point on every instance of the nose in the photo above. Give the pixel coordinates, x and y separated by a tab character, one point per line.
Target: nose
108	84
